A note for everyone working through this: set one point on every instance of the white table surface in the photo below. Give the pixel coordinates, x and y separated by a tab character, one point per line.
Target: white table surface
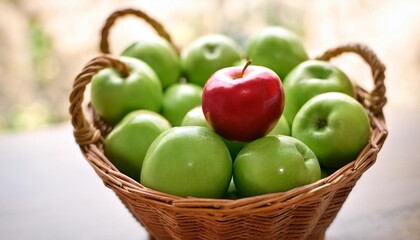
49	191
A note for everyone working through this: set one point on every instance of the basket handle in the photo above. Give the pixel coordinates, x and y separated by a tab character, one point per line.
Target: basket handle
104	43
84	132
374	100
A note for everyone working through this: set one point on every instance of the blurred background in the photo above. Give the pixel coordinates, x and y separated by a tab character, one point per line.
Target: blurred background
45	43
47	186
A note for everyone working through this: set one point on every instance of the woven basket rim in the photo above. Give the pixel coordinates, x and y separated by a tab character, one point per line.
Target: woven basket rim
253	204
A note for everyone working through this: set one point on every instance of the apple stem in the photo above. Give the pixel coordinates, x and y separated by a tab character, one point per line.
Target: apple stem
245	67
122	68
125	73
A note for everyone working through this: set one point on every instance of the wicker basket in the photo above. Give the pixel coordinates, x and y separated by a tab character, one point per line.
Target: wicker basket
302	213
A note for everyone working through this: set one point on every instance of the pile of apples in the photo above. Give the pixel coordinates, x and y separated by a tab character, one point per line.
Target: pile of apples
218	122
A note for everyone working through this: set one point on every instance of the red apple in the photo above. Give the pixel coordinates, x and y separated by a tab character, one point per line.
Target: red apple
243	103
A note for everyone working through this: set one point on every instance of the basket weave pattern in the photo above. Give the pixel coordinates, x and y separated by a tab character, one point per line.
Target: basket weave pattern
301	213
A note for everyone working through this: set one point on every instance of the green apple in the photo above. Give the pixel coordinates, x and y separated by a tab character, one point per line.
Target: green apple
114	95
160	55
325	173
309	79
276	48
232	192
241	62
188	161
206	55
335	126
195	117
282	127
274	164
126	145
234	147
178	99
